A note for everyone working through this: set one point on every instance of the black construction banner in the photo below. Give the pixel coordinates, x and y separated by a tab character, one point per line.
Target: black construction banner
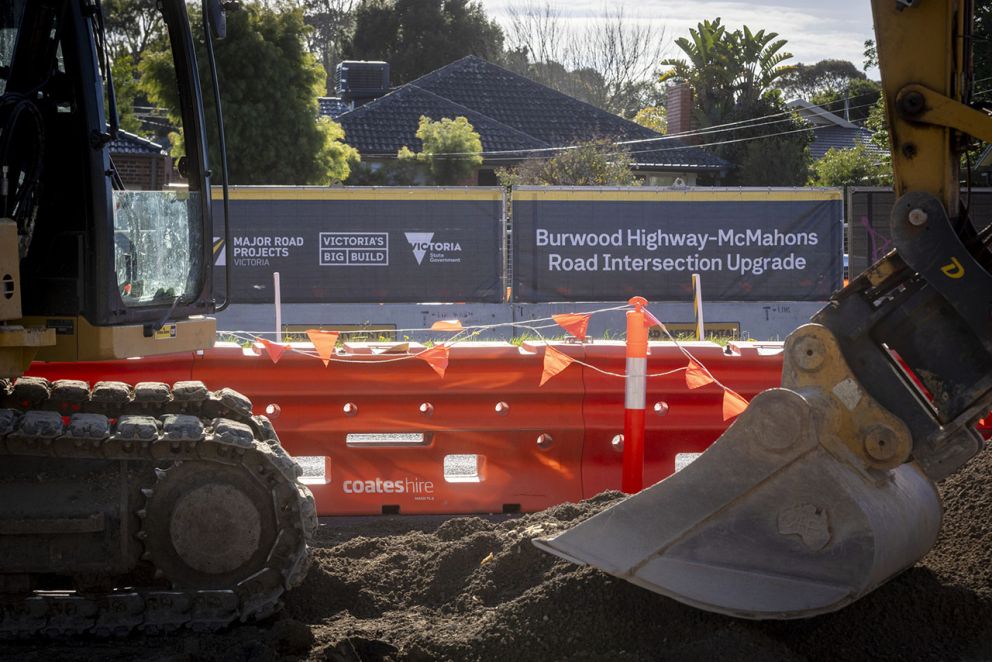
360	245
868	210
594	244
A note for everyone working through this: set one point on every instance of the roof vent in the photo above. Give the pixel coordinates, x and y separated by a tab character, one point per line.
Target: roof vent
361	81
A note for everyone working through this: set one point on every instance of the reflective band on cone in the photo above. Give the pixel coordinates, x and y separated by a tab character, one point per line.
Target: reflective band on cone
634	398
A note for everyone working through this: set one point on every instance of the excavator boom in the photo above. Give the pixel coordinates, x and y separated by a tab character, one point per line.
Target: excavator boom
823	489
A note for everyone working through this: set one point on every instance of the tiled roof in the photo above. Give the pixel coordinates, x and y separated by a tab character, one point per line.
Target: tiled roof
382	127
509	112
128	143
333	106
836	137
831	131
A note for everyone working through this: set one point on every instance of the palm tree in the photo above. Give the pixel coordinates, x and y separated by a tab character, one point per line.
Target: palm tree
733	76
710	70
759	63
727	69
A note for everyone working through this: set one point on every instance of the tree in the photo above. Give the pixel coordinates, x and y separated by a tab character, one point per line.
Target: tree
808	80
856	166
710	71
734	77
654	118
834	85
331	23
727	70
616	50
596	163
870	55
400	172
981	39
126	90
452	149
419	36
878	124
584	84
132	26
270	86
853	103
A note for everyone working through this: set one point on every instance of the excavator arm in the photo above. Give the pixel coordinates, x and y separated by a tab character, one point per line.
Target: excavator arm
823	489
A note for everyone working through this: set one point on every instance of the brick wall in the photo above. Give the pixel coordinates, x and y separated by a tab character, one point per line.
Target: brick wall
144	172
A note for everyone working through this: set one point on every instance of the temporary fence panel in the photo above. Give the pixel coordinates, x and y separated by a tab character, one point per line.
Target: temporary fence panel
339	245
601	244
868	210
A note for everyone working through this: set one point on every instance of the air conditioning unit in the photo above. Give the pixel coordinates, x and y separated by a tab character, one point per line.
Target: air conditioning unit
361	81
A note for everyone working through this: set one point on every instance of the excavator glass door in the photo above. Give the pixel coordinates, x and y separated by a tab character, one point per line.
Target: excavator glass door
96	241
159	234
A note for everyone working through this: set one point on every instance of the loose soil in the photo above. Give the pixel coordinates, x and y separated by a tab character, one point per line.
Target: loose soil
474	588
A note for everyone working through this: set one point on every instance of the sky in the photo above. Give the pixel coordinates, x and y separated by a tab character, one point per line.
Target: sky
815	31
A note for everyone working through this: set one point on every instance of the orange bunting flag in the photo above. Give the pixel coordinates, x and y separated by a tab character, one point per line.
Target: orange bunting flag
437	358
650	320
447	325
554	362
324	342
273	349
574	323
696	376
733	404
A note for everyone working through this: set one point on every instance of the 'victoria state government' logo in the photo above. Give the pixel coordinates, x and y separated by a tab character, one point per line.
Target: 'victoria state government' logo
423	244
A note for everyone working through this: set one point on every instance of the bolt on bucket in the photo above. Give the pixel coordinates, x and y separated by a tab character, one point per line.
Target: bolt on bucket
775	521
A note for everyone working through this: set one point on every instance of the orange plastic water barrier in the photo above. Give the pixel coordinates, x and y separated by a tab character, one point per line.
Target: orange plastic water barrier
396	437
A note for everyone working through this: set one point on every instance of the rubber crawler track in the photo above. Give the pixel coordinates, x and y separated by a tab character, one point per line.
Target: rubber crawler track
155	423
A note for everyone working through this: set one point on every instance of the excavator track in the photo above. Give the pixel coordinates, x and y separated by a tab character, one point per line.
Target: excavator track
213	520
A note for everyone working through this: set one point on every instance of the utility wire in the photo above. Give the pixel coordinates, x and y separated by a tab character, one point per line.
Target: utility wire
515	154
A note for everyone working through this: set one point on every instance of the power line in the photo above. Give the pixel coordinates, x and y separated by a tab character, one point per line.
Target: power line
549	152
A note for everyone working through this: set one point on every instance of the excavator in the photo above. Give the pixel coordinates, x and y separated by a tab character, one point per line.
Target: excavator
148	507
824	488
154	507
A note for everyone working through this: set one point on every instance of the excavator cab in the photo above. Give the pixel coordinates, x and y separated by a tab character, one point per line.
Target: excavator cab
108	270
154	506
824	488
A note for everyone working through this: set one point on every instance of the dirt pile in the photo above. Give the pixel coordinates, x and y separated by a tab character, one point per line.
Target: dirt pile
478	589
402	588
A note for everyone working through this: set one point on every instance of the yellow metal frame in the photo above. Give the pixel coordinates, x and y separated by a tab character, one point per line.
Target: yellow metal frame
75	339
922	51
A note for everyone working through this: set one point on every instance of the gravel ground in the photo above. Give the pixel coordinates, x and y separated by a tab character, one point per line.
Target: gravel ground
472	588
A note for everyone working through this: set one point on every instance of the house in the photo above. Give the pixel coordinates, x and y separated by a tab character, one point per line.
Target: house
142	164
831	131
515	118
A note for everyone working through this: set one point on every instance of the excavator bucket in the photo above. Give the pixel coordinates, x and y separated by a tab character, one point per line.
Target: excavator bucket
776	520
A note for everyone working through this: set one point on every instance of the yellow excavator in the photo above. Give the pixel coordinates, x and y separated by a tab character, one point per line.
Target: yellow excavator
824	488
152	506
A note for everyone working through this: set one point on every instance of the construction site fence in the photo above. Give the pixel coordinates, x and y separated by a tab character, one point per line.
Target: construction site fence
868	236
381	434
529	245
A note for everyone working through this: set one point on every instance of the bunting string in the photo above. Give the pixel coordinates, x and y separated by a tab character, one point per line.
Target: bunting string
437	354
